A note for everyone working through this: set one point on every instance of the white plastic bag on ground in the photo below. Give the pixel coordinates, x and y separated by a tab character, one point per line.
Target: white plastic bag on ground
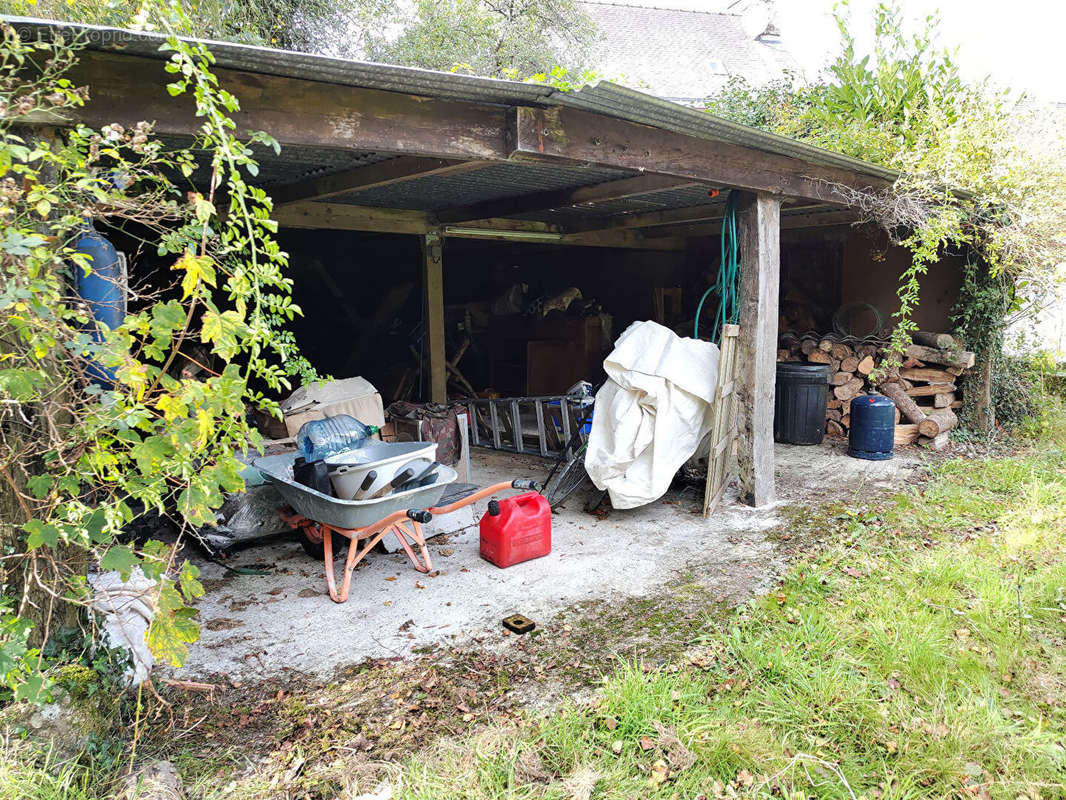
651	414
127	608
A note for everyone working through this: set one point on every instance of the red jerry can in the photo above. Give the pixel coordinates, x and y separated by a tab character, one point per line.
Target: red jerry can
516	529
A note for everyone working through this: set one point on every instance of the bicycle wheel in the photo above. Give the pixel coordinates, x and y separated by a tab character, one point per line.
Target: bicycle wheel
567	480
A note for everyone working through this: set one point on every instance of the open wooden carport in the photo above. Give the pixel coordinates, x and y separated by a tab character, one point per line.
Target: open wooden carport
371	147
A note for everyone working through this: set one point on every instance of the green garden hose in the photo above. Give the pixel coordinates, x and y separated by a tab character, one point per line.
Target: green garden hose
728	282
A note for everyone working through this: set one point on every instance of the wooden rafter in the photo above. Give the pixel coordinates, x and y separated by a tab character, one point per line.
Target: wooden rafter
588	138
343	217
563	198
369	176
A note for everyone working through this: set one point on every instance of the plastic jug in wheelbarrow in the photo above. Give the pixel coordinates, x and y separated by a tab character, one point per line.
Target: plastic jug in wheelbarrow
323	437
516	529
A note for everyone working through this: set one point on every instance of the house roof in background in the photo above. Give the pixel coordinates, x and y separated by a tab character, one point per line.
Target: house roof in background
680	55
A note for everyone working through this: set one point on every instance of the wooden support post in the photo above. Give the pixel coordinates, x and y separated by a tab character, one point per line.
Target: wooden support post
433	289
759	222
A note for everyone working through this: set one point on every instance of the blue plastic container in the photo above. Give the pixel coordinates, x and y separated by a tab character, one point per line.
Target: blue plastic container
103	288
873	428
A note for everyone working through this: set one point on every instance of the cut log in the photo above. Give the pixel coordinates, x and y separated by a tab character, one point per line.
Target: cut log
927	375
930	389
845	420
958	359
939	340
783	354
911	363
865	365
819	357
833	429
841	378
864	350
955	370
849	364
907	407
833	403
940	421
897	416
938	442
807	346
841	351
849	389
833	414
956	404
943	400
905	434
826	344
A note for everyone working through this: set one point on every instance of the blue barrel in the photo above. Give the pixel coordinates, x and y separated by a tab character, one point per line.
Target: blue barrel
103	288
873	428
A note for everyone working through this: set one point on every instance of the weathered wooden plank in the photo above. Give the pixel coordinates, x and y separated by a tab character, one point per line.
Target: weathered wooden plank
433	288
760	249
562	198
342	217
295	111
790	222
370	176
651	219
584	137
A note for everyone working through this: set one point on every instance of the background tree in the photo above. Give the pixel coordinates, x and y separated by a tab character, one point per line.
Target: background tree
982	173
499	38
307	25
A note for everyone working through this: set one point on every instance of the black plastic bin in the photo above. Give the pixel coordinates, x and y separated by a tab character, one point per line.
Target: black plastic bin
800	403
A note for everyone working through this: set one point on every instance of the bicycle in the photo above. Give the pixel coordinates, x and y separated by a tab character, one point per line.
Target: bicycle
561	484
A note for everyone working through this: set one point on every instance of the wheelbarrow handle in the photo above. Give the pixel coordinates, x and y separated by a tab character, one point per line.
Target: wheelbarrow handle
525	483
419	515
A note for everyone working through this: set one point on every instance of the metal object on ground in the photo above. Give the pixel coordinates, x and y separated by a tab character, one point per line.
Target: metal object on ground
516	623
346	513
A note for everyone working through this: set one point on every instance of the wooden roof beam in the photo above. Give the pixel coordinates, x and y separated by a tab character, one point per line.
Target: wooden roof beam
587	138
294	111
563	198
369	176
343	217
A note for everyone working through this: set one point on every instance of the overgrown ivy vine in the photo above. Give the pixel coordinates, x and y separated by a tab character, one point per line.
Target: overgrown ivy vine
82	456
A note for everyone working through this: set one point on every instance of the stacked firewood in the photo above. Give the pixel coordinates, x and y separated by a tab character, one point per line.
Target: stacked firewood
924	388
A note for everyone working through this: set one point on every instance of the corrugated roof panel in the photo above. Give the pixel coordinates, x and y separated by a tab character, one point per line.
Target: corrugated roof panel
494	182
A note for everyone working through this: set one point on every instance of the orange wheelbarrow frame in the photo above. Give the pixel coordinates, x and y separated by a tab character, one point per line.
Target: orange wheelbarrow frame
406	525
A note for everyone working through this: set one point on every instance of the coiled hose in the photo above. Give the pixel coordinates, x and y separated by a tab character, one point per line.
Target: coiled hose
728	282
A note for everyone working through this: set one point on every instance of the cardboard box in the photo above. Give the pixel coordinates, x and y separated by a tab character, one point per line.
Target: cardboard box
354	396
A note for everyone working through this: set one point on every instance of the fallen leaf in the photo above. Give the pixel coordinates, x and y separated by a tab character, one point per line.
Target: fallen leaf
853	572
391	578
610	723
963	633
647	743
891	747
616	747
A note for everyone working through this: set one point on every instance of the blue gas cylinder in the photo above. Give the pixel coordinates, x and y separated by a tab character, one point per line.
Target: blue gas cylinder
873	428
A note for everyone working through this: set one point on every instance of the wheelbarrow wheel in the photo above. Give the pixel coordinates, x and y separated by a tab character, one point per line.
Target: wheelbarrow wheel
316	550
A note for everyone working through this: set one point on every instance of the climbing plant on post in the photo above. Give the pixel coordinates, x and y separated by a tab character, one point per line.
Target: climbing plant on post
97	425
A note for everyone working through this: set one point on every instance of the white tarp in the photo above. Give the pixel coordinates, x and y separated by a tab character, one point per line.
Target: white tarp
651	414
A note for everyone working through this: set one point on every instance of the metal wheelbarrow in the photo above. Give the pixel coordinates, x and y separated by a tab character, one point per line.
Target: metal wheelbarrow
366	522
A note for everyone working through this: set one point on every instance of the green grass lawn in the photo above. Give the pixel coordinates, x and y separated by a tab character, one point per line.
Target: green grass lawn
917	651
920	655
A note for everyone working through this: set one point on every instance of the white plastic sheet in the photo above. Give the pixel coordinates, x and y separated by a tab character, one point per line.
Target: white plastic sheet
651	414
